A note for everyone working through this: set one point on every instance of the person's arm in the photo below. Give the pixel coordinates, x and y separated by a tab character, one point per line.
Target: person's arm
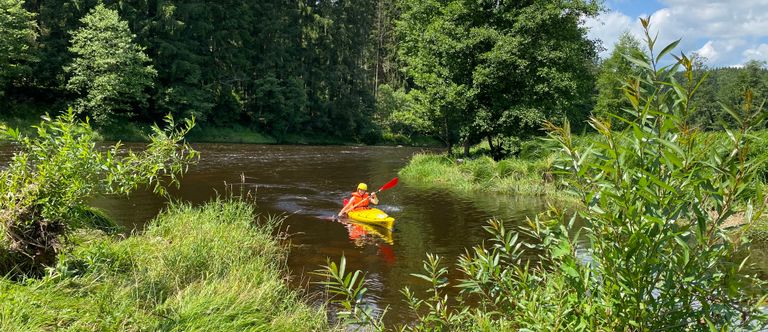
346	207
374	198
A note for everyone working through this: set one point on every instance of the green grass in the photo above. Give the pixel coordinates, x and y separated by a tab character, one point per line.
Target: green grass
483	174
213	268
230	134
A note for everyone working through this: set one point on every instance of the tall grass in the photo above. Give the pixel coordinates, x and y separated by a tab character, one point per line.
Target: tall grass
509	176
214	268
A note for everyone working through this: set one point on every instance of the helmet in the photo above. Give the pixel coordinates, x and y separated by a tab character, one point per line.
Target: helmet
362	186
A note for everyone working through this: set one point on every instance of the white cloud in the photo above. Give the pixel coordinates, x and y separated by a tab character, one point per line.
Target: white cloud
708	51
726	32
607	28
759	53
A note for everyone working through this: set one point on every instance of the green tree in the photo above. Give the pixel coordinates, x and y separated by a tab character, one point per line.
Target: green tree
613	71
110	72
497	69
728	86
18	32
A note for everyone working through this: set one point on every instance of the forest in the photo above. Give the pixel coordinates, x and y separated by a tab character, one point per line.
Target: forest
370	71
364	71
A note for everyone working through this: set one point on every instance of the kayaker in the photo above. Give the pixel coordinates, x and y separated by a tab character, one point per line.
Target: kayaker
359	199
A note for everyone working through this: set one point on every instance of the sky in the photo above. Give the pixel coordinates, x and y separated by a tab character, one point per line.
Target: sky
727	33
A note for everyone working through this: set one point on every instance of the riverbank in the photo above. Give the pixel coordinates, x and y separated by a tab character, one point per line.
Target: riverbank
216	267
482	174
207	133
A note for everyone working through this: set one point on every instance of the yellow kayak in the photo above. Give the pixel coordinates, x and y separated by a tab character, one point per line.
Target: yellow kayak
372	216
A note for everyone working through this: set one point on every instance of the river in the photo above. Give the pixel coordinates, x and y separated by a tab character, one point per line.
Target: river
306	185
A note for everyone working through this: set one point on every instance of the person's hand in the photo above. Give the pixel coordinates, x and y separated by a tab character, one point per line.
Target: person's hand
373	195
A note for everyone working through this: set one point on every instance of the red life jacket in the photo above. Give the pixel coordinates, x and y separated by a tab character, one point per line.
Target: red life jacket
357	198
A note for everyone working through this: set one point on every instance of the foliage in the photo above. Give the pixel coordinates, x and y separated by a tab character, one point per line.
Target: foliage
509	176
495	70
662	191
211	268
17	41
348	291
109	71
56	172
727	86
647	249
399	117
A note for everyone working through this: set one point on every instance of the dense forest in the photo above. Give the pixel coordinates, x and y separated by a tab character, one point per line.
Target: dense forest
368	70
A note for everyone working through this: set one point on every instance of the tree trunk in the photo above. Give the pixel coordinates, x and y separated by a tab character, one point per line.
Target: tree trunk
490	145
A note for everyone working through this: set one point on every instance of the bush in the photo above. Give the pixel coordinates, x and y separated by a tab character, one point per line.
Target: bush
48	183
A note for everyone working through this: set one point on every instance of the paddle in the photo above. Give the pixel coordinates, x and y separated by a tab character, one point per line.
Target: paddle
386	186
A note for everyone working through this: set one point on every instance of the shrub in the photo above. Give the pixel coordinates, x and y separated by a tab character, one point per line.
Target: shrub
49	181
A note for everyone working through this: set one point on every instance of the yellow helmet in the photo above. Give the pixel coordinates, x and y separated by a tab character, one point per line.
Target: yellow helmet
362	186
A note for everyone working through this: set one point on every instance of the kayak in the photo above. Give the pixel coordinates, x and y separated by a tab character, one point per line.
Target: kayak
372	216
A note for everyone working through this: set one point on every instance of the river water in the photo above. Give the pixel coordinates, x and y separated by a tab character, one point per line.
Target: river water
307	184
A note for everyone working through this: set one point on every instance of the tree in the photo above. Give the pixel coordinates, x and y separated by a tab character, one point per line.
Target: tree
496	69
17	41
613	71
110	72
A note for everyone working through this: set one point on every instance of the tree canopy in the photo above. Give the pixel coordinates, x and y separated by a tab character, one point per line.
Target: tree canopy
461	71
496	69
18	32
110	72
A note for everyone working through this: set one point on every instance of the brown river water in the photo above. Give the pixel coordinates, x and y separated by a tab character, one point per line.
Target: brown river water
307	184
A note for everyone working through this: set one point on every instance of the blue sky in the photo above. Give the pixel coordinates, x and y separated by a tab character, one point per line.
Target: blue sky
726	33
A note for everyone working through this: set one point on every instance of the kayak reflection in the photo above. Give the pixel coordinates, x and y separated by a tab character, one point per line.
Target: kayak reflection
362	234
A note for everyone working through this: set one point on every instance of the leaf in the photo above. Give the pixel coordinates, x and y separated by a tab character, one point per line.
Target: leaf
638	61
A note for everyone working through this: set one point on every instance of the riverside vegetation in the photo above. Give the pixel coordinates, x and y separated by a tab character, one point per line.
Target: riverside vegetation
64	266
652	254
216	267
47	184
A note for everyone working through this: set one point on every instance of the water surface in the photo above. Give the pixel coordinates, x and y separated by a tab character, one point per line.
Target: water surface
307	185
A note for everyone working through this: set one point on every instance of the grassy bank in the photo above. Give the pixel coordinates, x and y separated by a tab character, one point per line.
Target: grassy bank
483	174
213	268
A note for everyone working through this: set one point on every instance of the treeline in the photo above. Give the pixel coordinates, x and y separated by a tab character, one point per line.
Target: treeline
460	71
280	66
722	90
